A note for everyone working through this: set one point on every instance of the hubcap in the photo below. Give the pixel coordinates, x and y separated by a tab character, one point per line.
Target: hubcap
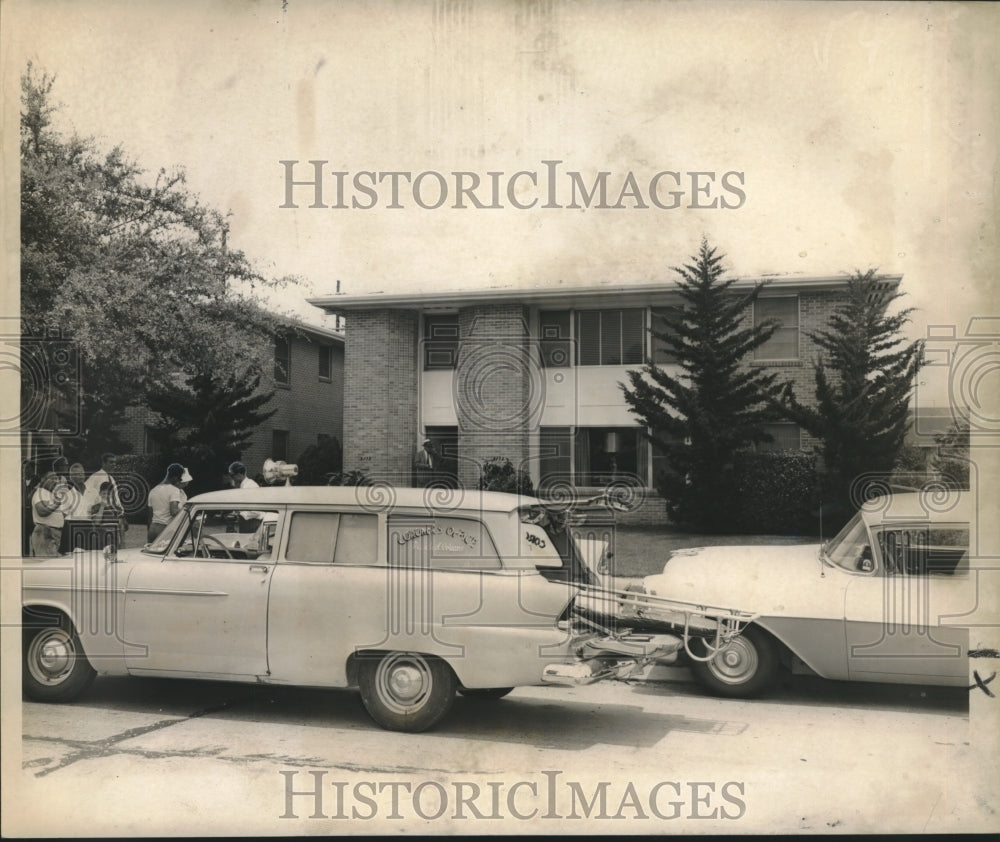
51	656
737	664
403	681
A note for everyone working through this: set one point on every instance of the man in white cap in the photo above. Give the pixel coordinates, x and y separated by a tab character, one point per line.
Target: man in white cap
166	500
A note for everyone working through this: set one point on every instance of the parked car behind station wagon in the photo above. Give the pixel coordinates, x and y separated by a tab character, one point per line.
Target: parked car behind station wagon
891	598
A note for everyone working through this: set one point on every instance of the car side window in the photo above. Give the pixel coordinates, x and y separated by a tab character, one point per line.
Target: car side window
357	540
444	543
925	549
312	537
224	534
332	538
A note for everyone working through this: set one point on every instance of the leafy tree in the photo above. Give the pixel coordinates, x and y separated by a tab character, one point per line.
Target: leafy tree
864	378
717	405
135	272
951	459
206	421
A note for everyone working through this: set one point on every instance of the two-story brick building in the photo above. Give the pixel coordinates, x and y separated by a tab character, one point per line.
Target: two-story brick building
533	375
308	399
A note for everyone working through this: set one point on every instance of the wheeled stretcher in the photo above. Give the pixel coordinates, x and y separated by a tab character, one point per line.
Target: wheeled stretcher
618	633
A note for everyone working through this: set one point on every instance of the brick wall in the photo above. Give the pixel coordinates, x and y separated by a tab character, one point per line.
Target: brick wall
380	394
497	384
307	406
650	512
815	309
133	430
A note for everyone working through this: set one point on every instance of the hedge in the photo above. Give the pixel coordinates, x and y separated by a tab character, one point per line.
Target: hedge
777	493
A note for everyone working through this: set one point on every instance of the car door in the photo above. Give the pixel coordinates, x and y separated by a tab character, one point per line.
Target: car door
203	609
895	617
327	595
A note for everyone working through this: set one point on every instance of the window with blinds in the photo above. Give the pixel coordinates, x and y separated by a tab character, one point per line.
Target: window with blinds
610	337
662	317
784	344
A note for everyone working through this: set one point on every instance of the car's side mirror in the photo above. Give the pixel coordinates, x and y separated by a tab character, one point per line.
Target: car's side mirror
110	554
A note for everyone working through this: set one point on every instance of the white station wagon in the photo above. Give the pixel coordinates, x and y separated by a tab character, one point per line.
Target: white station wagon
409	594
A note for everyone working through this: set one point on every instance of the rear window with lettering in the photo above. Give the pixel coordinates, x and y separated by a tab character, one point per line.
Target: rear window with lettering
542	546
443	543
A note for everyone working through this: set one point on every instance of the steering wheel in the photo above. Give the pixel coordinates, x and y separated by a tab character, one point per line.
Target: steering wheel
201	544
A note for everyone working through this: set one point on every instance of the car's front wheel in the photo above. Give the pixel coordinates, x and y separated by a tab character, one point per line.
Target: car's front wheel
744	668
55	668
406	691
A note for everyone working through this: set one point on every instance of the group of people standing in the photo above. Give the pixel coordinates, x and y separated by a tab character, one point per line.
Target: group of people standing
69	509
65	509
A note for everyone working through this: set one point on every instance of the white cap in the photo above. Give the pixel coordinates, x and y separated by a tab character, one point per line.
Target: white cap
186	476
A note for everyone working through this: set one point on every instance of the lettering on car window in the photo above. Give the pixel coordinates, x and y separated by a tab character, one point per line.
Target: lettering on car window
468	538
445	543
534	539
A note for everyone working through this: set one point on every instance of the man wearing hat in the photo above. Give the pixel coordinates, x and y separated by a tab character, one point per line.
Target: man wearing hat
166	500
425	464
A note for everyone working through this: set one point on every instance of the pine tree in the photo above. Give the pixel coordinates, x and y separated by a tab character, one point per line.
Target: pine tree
716	405
207	421
864	379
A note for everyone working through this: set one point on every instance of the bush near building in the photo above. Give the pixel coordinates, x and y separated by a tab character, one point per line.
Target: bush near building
777	493
499	474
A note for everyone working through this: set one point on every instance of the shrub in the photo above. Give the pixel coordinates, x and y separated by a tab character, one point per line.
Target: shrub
355	477
499	474
777	493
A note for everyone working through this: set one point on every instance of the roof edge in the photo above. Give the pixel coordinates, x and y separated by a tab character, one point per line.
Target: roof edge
340	303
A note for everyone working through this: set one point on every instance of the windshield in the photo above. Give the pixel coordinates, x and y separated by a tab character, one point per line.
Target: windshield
159	545
850	547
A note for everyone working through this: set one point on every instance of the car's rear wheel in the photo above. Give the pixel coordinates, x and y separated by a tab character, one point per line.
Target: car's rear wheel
485	692
55	668
406	691
745	668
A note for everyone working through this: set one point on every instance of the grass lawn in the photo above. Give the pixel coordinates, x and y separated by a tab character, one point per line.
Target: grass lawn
643	551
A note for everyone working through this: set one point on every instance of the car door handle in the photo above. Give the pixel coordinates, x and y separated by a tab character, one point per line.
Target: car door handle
258	568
